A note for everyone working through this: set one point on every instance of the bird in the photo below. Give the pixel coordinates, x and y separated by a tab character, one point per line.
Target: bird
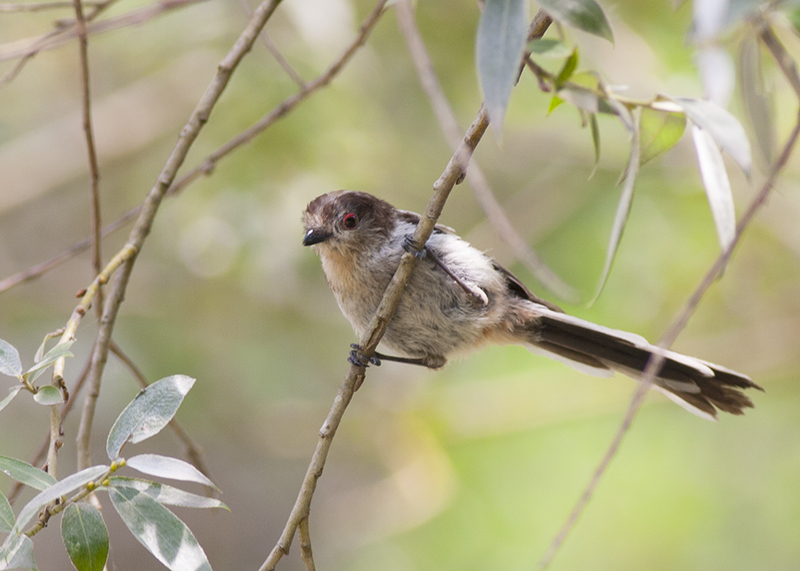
459	299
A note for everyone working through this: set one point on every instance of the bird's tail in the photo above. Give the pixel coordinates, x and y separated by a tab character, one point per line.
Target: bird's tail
698	386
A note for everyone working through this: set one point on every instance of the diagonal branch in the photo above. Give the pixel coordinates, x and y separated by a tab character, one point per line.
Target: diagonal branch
141	229
448	123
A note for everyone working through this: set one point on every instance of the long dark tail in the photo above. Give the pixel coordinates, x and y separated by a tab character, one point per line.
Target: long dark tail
697	385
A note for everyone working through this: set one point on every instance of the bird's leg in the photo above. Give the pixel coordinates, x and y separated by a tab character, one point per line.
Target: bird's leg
429	361
477	293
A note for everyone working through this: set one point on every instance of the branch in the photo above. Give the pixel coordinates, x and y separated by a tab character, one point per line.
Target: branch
453	173
675	328
141	229
448	123
39	6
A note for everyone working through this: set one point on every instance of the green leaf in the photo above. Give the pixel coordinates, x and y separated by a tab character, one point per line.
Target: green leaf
159	530
581	98
717	185
549	48
6	514
164	494
148	413
586	15
9	360
502	33
555	101
626	197
659	131
54	354
166	467
85	536
568	69
17	553
595	142
25	473
60	488
722	126
12	392
48	395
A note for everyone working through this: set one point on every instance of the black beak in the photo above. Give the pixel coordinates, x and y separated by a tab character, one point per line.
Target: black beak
315	237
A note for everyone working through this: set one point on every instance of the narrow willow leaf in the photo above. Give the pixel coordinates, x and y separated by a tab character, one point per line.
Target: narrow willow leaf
659	131
166	467
9	360
549	48
168	495
555	101
722	126
756	98
85	537
12	392
717	73
581	98
502	33
54	354
626	197
6	514
148	413
25	473
17	553
717	185
568	69
159	530
48	395
586	15
595	143
60	488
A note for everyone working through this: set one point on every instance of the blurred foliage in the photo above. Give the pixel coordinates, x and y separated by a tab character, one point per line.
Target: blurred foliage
469	468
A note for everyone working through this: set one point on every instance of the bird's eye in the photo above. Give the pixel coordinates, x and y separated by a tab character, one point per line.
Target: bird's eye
350	221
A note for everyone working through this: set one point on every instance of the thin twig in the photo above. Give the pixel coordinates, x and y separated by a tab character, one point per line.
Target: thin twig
41	41
304	536
657	360
39	6
192	451
52	40
144	223
448	123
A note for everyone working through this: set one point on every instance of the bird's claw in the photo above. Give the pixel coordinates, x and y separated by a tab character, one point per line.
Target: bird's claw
410	246
358	359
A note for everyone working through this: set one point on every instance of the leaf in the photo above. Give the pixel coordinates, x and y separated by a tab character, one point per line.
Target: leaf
755	96
48	395
502	32
586	15
659	131
17	553
12	392
717	185
54	354
595	143
568	69
549	48
9	360
626	197
60	488
166	467
148	413
6	514
722	126
159	530
25	473
555	101
85	537
717	72
581	98
164	494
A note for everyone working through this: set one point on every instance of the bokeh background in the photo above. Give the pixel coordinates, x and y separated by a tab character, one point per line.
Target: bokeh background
472	467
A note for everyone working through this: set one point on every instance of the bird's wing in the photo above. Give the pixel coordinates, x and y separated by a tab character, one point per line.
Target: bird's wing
516	287
414	218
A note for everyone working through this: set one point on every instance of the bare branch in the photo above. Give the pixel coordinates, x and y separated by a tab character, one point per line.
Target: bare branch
476	179
304	535
675	328
141	229
40	6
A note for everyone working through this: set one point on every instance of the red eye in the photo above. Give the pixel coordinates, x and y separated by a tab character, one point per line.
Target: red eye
350	221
